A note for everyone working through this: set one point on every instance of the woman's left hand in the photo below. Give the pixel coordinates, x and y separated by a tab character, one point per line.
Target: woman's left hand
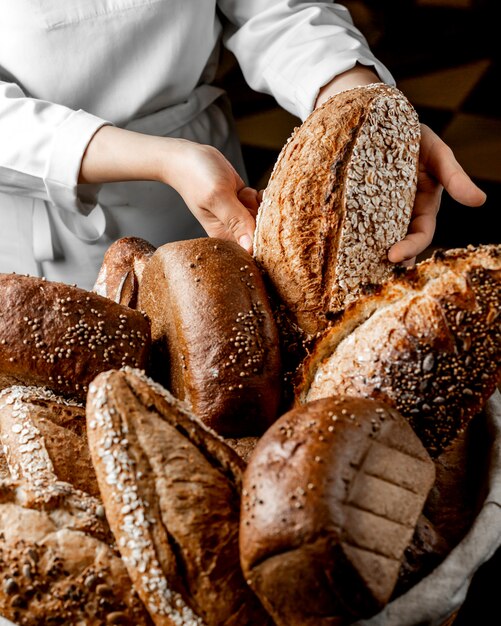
438	169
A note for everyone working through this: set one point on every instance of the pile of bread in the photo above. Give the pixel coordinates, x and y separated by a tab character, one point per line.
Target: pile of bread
213	439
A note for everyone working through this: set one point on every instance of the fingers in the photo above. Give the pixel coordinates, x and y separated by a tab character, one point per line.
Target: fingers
422	225
438	160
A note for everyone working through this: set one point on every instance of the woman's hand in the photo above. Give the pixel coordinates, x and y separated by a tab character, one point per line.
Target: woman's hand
438	169
208	183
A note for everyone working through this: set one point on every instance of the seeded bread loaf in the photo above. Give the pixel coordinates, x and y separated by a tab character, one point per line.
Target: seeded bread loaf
331	498
122	270
215	342
428	343
57	561
37	419
171	490
58	336
340	195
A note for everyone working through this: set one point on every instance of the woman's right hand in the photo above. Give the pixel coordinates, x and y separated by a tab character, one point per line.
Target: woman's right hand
205	179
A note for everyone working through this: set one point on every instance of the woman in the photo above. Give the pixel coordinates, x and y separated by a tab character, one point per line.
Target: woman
108	121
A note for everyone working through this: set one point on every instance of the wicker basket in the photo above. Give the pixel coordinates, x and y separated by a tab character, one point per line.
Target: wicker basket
436	600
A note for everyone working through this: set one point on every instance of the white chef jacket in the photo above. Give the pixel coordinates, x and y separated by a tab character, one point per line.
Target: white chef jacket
69	67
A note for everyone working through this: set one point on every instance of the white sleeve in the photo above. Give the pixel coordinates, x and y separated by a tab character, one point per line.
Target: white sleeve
292	48
41	149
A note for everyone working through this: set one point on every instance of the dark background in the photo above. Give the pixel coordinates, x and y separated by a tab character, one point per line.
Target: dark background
446	57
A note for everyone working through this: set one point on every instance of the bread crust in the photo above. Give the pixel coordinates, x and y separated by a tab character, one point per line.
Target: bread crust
428	343
171	489
331	496
59	336
340	195
215	342
37	417
122	270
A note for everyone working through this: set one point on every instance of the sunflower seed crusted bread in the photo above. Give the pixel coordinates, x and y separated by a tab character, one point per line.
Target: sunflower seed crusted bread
428	342
340	195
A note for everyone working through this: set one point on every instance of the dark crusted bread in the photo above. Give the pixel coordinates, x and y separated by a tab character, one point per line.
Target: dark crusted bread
122	270
171	490
215	342
58	336
428	343
35	417
340	195
331	497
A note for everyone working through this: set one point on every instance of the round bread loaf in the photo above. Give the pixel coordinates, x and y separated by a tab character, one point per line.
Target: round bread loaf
122	270
215	342
58	336
428	343
171	490
35	417
331	498
341	193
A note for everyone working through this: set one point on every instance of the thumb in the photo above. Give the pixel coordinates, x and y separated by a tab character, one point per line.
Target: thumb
236	221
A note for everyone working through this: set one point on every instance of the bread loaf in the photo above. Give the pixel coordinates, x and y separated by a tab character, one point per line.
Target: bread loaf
55	570
57	562
428	343
331	497
215	342
58	336
171	490
340	195
122	270
35	417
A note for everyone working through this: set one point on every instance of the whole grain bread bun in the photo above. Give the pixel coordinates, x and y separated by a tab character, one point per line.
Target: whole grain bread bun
122	270
60	337
428	343
171	490
341	193
35	417
55	567
215	342
331	498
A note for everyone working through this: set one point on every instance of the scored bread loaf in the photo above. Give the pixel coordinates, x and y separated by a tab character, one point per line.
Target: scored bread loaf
58	564
171	490
331	497
38	419
59	336
215	342
428	343
122	270
340	195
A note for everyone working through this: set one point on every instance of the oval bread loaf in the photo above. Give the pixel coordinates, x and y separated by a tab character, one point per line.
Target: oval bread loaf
428	343
331	498
340	195
59	336
171	490
215	342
